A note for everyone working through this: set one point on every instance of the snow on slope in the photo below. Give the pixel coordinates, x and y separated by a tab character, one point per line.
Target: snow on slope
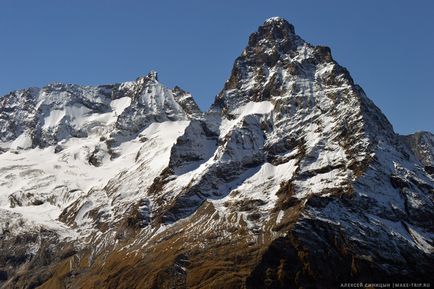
144	158
64	154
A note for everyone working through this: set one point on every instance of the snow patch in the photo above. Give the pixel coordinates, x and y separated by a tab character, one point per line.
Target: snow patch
120	104
23	141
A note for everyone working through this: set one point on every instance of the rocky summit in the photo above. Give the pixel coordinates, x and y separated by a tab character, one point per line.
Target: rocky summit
292	179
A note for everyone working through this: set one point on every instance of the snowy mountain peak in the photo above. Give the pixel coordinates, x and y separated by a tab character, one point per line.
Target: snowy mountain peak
130	184
275	31
278	23
272	54
153	75
57	112
275	19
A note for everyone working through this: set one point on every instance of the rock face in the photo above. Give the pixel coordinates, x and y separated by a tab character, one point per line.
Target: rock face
422	145
293	179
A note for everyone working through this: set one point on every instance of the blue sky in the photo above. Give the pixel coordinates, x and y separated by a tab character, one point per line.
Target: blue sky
388	45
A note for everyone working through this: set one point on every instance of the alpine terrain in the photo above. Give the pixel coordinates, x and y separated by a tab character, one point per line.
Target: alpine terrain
292	179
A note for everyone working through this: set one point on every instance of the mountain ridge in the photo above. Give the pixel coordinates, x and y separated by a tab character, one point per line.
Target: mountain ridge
292	178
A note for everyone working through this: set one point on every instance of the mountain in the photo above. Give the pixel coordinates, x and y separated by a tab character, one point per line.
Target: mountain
292	179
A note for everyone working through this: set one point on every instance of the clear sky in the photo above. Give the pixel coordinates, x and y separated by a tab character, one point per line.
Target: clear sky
387	45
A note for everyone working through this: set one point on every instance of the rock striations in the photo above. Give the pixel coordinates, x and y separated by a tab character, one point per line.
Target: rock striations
292	179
